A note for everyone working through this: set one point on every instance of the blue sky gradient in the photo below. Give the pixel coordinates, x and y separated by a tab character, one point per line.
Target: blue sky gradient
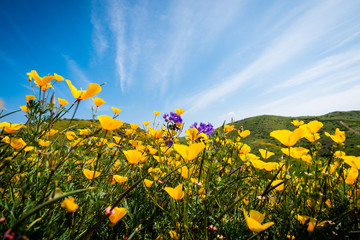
215	59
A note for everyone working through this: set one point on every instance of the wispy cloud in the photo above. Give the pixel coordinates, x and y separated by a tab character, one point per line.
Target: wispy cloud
116	13
78	73
325	68
302	36
99	37
193	28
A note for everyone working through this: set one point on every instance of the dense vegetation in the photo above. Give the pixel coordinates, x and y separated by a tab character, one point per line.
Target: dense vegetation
73	179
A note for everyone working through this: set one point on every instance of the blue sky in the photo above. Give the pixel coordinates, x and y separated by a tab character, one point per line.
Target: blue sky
215	59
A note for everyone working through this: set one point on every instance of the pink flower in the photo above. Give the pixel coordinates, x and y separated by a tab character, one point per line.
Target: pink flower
9	235
109	211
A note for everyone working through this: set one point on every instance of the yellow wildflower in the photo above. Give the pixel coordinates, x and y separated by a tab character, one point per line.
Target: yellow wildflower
176	193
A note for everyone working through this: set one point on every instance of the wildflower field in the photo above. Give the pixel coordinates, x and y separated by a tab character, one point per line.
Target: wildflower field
112	180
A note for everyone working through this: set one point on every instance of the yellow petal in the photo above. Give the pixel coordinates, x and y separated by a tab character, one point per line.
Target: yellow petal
176	193
90	174
119	214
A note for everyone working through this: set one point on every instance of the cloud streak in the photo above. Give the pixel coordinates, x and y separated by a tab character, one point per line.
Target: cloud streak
301	37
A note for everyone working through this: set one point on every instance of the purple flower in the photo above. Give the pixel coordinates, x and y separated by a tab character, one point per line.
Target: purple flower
204	128
172	120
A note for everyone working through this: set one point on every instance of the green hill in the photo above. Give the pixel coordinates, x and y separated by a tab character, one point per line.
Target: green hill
261	126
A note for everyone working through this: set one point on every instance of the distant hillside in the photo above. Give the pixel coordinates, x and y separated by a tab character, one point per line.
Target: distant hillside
261	126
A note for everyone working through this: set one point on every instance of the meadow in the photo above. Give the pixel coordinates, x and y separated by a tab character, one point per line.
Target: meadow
105	179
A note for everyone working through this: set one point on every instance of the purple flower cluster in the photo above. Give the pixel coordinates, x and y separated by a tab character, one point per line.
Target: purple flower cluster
204	128
172	120
174	117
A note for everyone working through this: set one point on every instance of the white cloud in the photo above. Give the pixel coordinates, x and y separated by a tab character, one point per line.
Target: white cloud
100	41
117	25
301	36
78	73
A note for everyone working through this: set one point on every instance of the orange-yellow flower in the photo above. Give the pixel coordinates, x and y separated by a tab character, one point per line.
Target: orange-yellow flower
16	143
297	123
176	193
70	205
148	183
244	134
313	126
265	154
281	185
156	134
338	137
228	128
58	77
134	126
311	222
116	110
189	152
295	152
133	156
11	128
44	143
62	102
120	179
119	214
40	81
108	123
90	174
255	220
98	101
91	91
24	108
29	98
179	111
287	137
157	113
146	123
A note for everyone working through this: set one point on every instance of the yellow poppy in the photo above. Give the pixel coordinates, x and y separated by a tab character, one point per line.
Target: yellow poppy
228	128
108	123
134	126
119	214
156	134
157	113
311	222
255	220
146	123
295	152
120	179
148	183
11	128
189	152
280	187
116	110
287	137
265	154
62	102
40	81
58	77
297	123
179	111
70	205
91	91
338	137
29	98
176	193
133	156
98	101
244	134
90	174
44	143
24	108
